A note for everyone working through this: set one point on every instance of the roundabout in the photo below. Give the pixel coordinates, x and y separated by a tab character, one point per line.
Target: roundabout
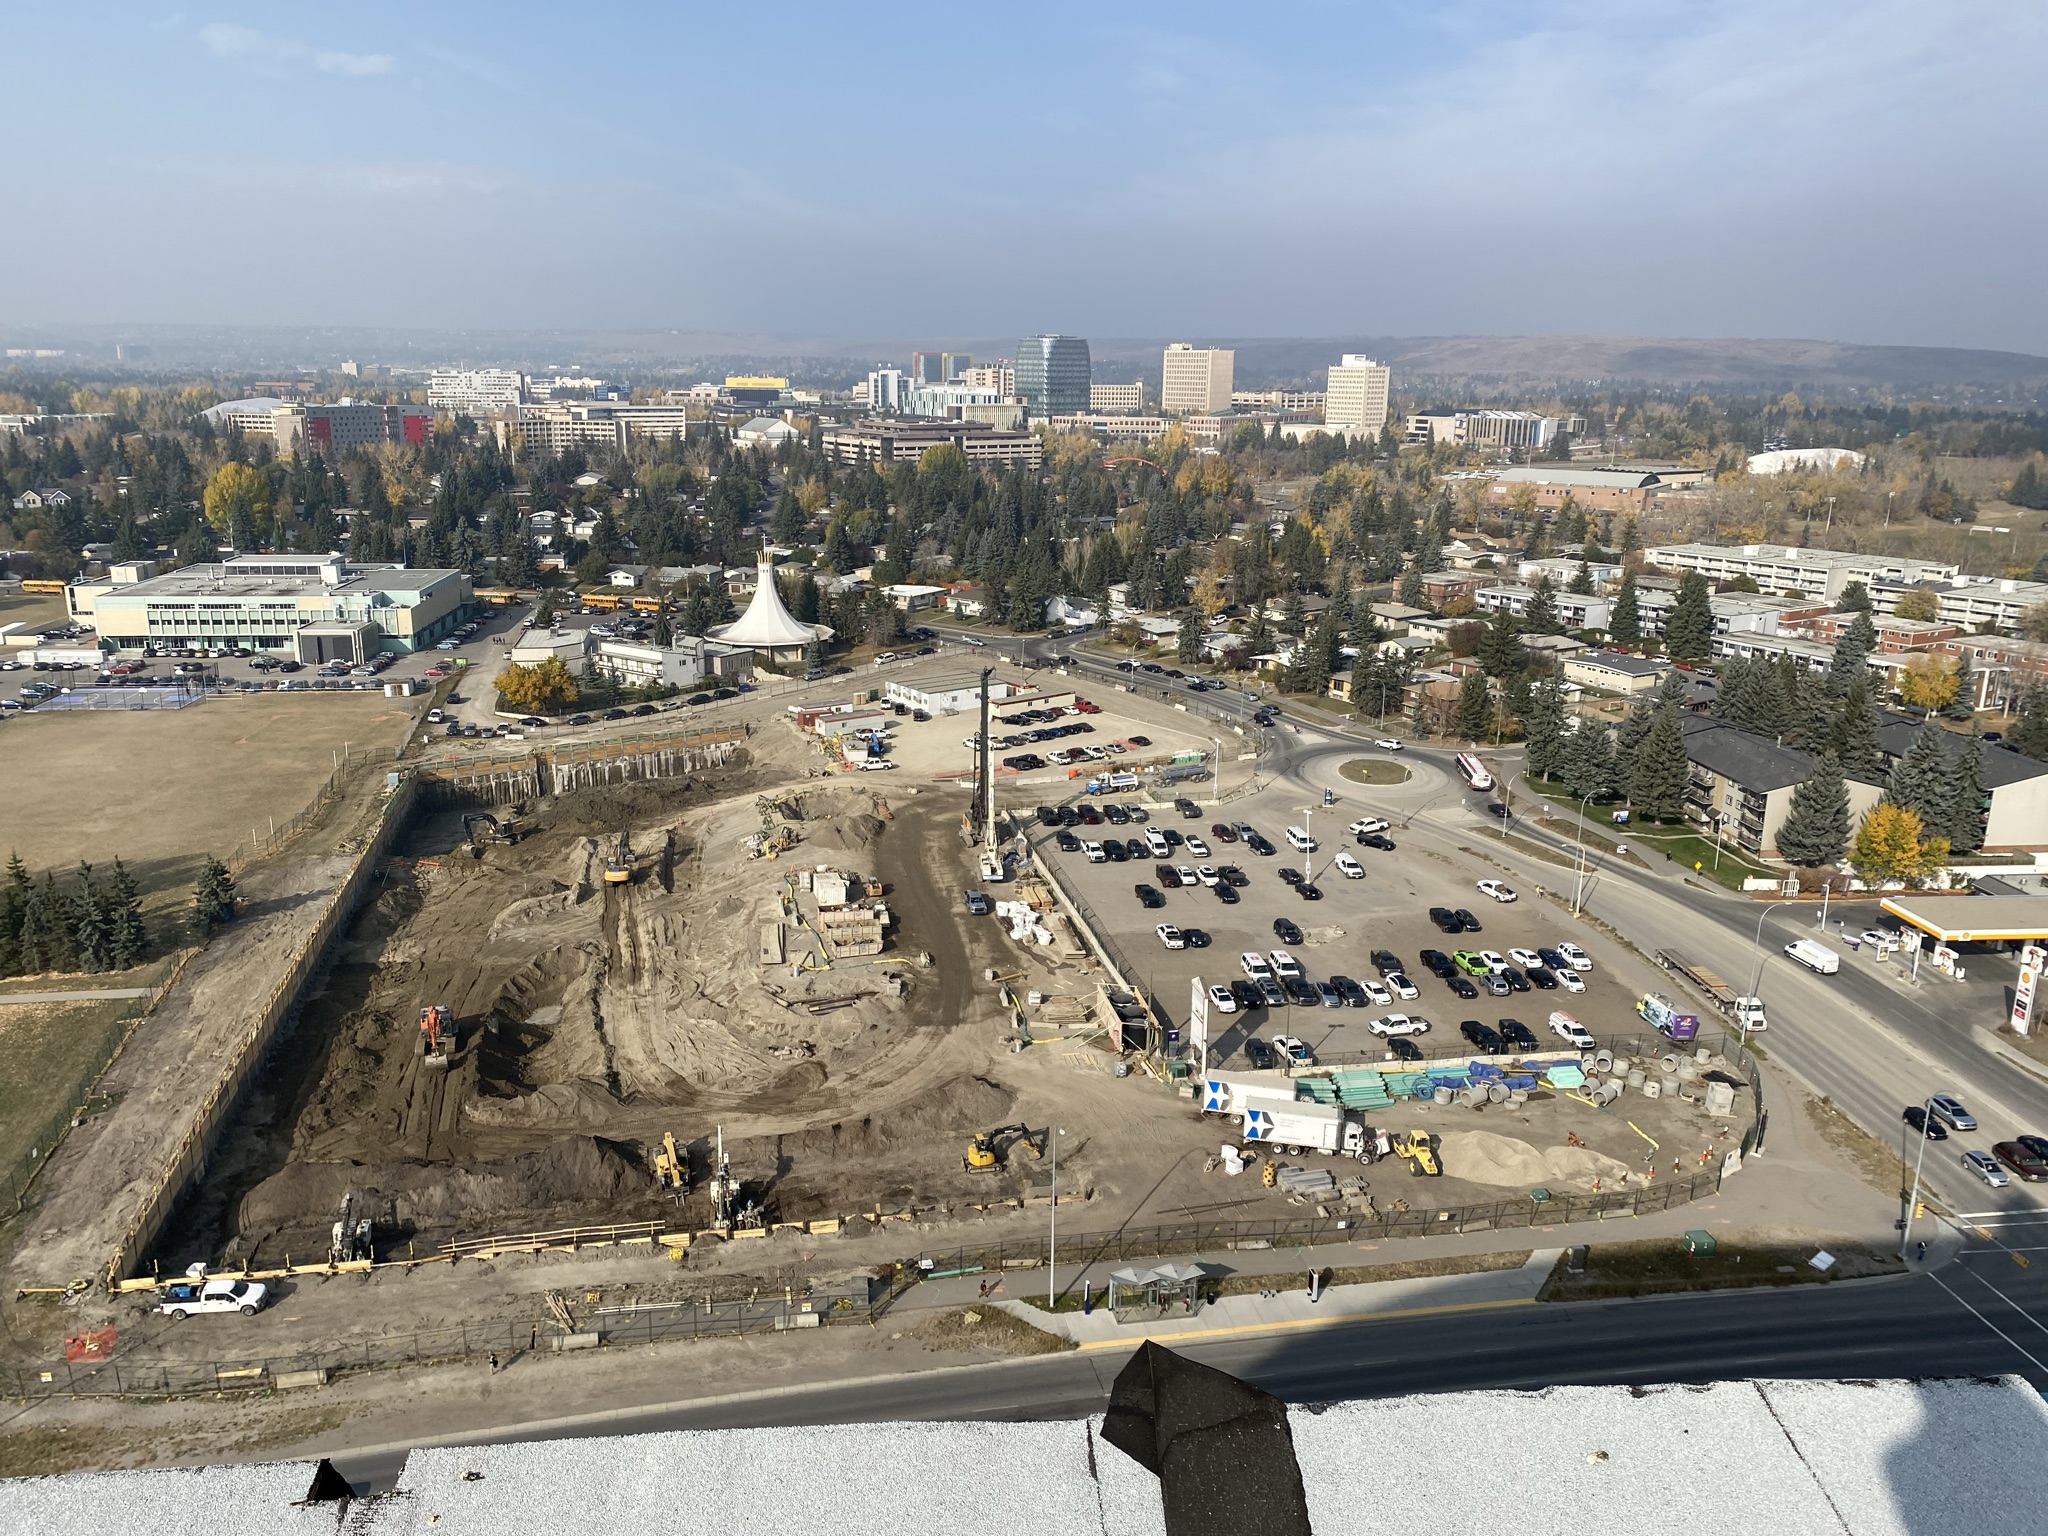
1374	770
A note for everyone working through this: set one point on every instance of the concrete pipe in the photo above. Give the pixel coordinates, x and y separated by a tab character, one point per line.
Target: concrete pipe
1442	1094
1636	1076
1669	1062
1653	1089
1497	1093
1603	1060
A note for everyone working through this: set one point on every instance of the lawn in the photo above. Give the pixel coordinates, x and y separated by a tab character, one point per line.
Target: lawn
49	1055
1681	843
1661	1266
1374	770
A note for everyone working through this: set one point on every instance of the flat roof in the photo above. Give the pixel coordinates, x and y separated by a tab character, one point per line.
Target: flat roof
1973	919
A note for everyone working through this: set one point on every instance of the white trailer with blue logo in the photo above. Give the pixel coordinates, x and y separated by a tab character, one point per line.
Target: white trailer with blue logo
1230	1095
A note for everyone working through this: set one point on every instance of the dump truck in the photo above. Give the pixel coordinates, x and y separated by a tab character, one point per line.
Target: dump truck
1302	1127
1747	1012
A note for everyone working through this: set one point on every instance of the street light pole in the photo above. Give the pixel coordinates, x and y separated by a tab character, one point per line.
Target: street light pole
1913	1201
1052	1288
1579	861
1756	979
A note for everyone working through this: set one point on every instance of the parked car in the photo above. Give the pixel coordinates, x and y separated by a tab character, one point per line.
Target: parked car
1499	890
1390	1026
1446	920
1286	931
1257	1054
1221	999
1147	896
1397	982
1171	936
979	905
1486	1041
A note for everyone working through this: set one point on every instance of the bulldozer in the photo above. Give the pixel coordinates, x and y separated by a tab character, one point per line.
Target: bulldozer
618	869
1418	1150
987	1149
437	1037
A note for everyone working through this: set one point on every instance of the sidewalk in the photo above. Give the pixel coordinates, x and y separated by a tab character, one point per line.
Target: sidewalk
1293	1309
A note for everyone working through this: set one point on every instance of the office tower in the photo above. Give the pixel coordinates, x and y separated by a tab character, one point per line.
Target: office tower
1053	375
1357	398
1196	381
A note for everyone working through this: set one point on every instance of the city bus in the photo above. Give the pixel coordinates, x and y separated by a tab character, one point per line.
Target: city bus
1474	772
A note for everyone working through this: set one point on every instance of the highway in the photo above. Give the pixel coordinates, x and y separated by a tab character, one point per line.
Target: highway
1952	1323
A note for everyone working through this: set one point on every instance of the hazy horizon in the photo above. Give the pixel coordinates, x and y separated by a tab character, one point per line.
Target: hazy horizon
1855	173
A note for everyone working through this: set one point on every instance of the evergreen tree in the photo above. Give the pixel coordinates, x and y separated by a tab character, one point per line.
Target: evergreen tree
1418	716
1770	702
1582	581
1922	780
1475	707
1189	649
2029	733
1816	828
1852	653
1629	738
2029	489
1588	754
213	897
1544	725
1855	599
13	894
1965	825
1853	735
1657	789
46	932
128	940
92	932
1411	588
1500	648
1540	618
1625	621
1689	631
1964	705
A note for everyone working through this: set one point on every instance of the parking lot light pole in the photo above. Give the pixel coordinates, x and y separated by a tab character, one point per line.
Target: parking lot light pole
1913	1201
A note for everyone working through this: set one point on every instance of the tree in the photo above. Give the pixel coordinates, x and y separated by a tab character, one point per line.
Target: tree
1582	581
1544	725
1475	706
1500	648
1892	845
1540	617
1852	653
237	492
1625	619
1629	738
1853	733
46	938
1962	704
547	687
1816	828
1189	649
1918	604
2033	623
1418	715
128	939
2029	488
1929	682
1965	825
1921	781
1657	789
213	897
1410	591
1689	631
1855	599
2029	733
1588	759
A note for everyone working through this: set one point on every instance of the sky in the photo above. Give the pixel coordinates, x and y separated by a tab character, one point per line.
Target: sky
1865	173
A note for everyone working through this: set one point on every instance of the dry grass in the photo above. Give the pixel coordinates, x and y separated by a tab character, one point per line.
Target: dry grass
47	1049
1374	770
1661	1266
47	1450
987	1327
1368	1274
1876	1163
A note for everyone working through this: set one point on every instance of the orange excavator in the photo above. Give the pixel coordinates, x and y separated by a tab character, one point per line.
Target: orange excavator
437	1037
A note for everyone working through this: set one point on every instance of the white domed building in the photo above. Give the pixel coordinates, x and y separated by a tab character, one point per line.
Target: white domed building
768	628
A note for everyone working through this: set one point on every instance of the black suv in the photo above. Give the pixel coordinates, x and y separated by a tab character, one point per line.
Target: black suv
1285	930
1385	960
1484	1040
1446	920
1440	964
1246	994
1188	808
1517	1034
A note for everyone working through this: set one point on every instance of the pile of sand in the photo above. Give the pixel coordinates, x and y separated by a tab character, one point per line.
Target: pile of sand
576	1170
1486	1158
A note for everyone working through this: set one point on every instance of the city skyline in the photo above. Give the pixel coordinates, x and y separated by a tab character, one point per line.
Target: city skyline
1676	171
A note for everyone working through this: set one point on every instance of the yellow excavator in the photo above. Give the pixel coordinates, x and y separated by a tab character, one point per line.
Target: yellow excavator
986	1150
618	869
1418	1150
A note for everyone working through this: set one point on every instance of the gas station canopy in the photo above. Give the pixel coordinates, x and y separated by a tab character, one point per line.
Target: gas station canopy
1973	919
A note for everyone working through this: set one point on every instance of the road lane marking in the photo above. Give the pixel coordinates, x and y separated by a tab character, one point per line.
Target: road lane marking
2015	1343
1303	1322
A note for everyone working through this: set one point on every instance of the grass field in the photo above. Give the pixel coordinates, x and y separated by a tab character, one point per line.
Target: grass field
42	610
48	1054
163	788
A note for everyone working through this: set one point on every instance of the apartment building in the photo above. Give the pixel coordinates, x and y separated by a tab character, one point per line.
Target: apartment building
1000	376
1968	602
1822	573
2001	670
1116	397
1356	400
1739	785
1574	610
886	388
1287	401
476	391
1196	380
563	424
878	441
940	367
328	430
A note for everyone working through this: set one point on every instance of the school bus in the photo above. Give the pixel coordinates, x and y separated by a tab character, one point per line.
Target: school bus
647	605
605	602
42	586
500	597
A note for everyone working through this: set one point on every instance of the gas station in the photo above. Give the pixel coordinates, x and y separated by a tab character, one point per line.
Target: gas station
1992	925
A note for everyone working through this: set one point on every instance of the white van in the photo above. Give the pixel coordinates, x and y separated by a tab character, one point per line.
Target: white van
1815	957
1299	840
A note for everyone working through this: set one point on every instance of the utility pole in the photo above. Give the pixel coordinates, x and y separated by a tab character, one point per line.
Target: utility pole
988	788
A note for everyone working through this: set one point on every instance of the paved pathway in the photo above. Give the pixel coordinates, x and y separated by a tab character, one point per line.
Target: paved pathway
111	993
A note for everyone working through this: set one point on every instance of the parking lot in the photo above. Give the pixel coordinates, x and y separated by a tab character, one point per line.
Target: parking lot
1386	908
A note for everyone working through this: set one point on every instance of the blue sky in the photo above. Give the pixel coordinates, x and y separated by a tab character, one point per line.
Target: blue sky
1852	172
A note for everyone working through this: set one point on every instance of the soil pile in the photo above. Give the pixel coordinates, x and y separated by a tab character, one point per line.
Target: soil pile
434	1197
1487	1158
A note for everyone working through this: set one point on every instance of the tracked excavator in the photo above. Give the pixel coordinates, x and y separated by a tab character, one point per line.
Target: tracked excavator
618	869
437	1037
987	1150
482	828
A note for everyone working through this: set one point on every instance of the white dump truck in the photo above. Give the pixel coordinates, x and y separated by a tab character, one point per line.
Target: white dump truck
1301	1127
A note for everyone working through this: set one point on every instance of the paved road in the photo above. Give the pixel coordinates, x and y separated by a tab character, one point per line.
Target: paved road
1924	1325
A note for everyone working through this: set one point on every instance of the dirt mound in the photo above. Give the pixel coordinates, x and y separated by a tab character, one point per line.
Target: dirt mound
953	1109
845	834
1487	1158
574	1170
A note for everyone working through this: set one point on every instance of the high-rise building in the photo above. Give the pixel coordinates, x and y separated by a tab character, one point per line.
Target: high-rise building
885	389
1356	401
1053	374
940	367
476	391
1196	381
1000	376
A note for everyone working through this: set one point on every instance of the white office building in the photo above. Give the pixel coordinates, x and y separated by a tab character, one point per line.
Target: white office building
1195	381
1113	398
886	388
476	391
1356	401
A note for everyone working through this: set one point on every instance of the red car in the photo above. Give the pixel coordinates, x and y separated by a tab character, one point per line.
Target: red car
1087	708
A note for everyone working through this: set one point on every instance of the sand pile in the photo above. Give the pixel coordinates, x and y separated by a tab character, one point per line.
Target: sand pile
518	1190
1487	1158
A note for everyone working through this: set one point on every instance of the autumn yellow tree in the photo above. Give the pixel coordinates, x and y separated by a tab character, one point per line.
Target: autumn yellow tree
1892	845
545	688
1929	682
237	489
1918	604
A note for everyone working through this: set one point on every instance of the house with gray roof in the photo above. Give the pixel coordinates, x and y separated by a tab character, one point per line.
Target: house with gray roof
1740	784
